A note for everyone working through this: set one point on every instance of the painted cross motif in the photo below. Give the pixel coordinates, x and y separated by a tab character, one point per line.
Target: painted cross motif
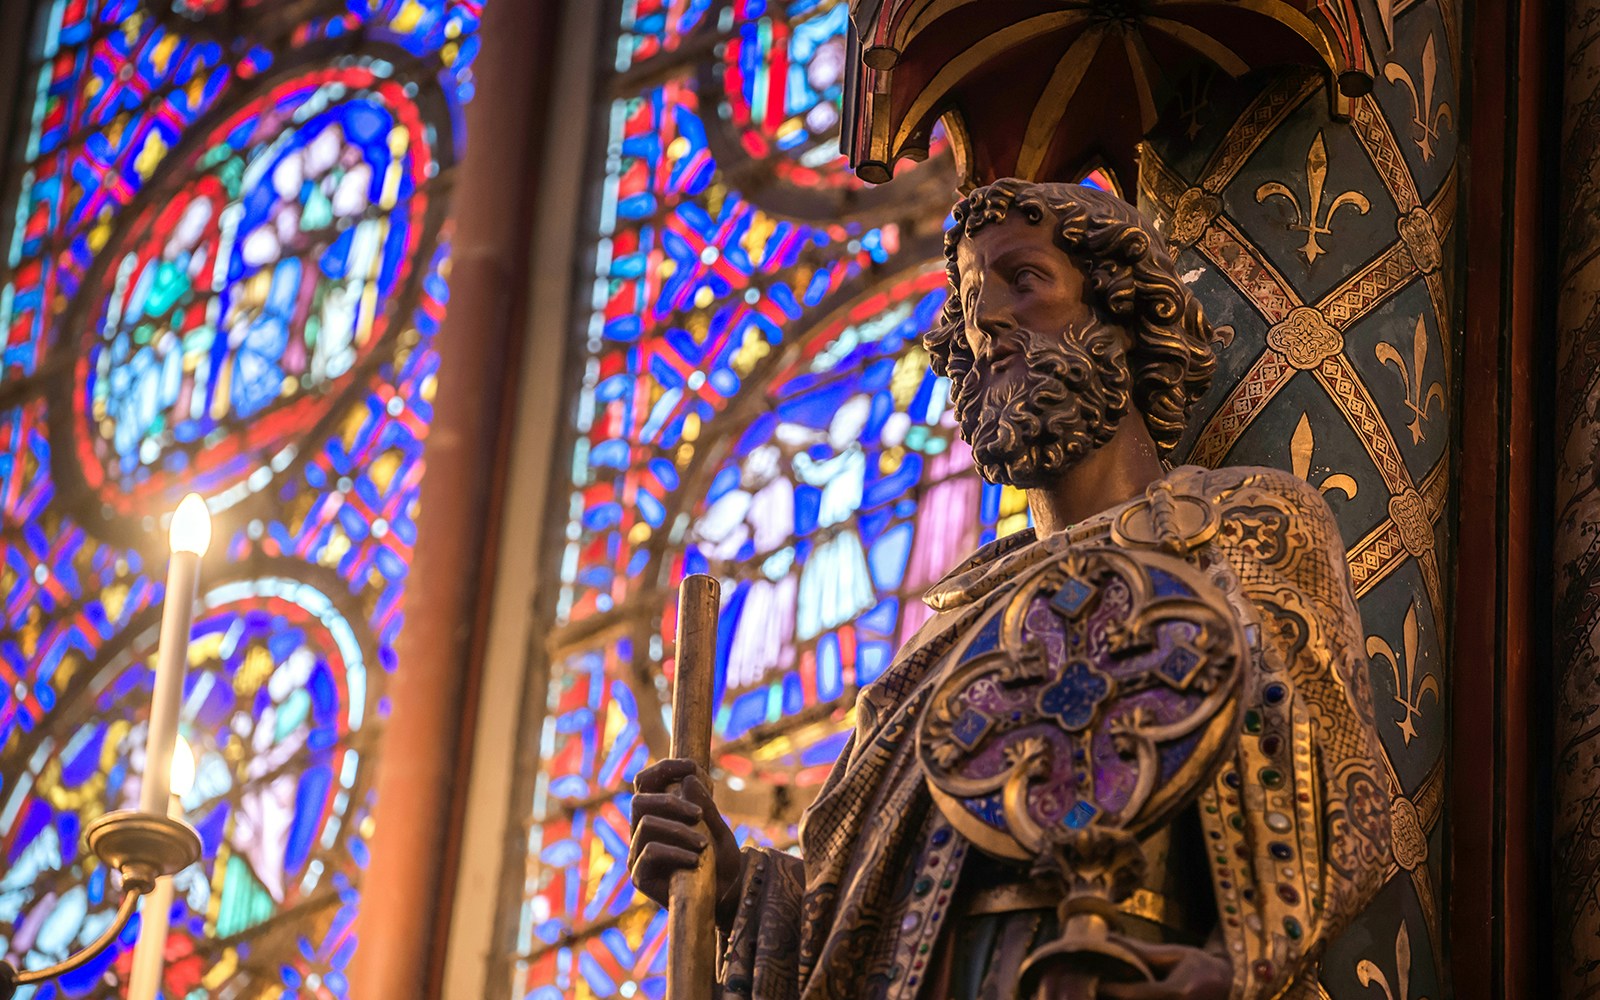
1408	687
1305	217
1192	108
1024	724
1429	120
1417	399
970	727
1076	697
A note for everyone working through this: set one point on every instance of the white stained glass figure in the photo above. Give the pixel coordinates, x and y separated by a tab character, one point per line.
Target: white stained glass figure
722	531
763	639
341	305
771	514
350	194
836	584
257	377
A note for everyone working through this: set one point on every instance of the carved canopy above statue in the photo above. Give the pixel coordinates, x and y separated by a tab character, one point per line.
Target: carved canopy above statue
1062	87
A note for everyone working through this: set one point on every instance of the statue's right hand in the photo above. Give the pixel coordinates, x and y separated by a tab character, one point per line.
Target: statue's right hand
667	837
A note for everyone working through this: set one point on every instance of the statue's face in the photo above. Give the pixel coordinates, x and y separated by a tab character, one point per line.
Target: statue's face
1017	287
1049	381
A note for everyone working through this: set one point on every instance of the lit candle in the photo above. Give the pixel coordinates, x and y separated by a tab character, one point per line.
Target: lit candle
149	955
191	535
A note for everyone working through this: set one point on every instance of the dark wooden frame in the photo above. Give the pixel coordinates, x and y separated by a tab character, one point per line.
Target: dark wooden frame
1498	834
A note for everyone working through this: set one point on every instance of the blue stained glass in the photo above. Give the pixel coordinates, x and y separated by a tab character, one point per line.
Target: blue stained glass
750	710
761	409
252	272
873	660
896	483
825	751
889	557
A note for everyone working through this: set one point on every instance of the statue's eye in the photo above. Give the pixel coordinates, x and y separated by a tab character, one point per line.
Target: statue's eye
1026	277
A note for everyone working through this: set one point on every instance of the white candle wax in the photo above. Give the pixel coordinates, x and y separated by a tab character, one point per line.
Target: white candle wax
183	579
149	955
155	910
191	534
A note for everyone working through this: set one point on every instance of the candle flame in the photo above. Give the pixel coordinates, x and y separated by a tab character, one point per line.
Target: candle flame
183	768
191	526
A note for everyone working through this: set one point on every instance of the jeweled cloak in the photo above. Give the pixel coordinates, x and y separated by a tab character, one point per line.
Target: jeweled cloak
1296	821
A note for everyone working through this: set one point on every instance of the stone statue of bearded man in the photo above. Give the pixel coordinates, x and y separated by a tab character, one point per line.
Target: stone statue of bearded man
1075	354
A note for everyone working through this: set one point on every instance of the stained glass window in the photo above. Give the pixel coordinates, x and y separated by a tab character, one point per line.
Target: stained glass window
755	403
226	263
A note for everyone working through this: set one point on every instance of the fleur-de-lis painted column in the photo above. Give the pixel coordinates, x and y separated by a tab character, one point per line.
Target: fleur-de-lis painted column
1576	858
1324	243
1314	211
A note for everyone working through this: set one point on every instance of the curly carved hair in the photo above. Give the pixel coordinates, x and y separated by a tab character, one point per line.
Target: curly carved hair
1132	284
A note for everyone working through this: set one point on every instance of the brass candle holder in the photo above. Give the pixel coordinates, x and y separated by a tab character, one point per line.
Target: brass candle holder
140	846
147	844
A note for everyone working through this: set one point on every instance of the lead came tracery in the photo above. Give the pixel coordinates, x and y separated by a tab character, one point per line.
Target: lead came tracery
756	404
225	267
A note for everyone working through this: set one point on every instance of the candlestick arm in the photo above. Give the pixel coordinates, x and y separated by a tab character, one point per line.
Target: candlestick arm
10	978
142	848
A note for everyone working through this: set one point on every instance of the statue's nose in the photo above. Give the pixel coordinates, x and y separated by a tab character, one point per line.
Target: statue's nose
992	314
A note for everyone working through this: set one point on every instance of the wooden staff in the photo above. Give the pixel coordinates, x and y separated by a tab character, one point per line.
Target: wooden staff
692	905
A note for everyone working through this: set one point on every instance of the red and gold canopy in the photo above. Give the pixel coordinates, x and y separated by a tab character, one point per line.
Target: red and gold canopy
1048	90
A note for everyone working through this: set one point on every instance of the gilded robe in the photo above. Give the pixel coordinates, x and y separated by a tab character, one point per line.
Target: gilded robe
1296	822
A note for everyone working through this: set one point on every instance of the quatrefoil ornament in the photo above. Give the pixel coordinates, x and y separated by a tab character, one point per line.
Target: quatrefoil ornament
1101	695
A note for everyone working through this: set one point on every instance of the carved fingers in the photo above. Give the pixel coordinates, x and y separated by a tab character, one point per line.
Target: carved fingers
661	847
675	819
660	776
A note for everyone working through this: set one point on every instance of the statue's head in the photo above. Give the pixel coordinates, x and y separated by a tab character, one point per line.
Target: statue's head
1065	313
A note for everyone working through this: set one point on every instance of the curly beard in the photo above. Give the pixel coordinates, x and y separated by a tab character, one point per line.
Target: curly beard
1073	393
